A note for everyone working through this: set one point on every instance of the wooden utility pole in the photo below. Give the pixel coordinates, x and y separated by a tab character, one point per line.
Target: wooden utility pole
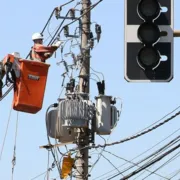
84	86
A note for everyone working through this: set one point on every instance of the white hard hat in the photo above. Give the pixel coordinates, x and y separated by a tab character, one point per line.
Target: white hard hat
36	36
16	54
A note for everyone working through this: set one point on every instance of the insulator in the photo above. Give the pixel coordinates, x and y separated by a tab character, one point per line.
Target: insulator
91	43
101	87
91	35
66	31
80	58
68	87
57	12
72	13
74	58
66	66
71	85
98	31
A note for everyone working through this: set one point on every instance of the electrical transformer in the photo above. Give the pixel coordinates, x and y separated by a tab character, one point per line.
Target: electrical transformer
75	113
56	130
106	115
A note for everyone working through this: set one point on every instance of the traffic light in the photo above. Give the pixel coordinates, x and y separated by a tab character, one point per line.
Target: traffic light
149	40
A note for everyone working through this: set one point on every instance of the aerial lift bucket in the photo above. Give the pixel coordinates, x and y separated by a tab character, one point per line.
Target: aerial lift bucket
30	86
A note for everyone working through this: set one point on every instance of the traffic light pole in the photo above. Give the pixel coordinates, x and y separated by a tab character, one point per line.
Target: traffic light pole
176	33
83	136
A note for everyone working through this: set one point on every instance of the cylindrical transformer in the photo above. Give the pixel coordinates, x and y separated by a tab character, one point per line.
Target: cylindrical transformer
103	115
56	130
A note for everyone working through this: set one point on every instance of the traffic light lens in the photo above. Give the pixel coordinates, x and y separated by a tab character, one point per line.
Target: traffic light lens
148	57
148	33
149	9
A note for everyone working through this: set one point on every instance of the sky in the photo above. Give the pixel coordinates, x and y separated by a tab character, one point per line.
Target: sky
143	103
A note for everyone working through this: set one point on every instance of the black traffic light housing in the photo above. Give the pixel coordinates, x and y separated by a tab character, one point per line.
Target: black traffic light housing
148	39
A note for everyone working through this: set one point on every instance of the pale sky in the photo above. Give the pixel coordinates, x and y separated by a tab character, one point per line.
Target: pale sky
143	103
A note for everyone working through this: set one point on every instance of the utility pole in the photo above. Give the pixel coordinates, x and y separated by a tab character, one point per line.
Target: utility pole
84	87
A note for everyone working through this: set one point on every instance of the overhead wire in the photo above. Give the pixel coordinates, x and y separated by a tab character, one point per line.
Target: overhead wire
96	76
48	21
150	163
53	13
50	33
57	164
97	72
175	174
164	164
133	136
99	156
160	150
153	158
14	151
89	9
134	164
47	174
159	120
52	39
112	164
4	140
50	17
139	134
39	175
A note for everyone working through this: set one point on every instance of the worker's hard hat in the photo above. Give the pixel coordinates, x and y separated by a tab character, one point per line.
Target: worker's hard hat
16	54
36	36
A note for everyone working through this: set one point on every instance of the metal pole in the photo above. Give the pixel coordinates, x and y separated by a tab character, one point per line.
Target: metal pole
83	138
176	33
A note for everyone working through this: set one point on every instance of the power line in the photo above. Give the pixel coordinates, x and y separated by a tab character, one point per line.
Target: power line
100	154
164	164
175	173
140	134
159	119
91	7
52	39
14	152
175	140
52	15
112	164
135	136
168	145
134	164
143	152
151	163
39	175
9	118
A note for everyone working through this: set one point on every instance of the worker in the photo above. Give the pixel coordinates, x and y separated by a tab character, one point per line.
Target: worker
39	52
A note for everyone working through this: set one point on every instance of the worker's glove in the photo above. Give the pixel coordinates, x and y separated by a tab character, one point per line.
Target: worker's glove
57	44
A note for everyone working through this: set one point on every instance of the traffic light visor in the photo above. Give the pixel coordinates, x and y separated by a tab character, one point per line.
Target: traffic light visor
148	33
148	57
149	9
